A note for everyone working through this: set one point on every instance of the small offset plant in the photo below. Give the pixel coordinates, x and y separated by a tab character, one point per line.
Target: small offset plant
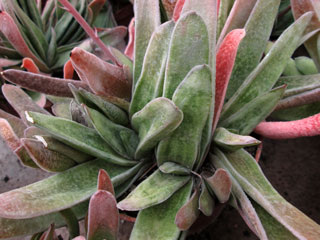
165	134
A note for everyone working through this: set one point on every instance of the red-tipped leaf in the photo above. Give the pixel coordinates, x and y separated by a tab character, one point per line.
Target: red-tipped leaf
30	65
68	70
220	184
177	10
104	182
129	51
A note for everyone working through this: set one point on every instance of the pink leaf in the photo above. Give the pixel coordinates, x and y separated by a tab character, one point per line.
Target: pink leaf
4	62
220	184
130	47
9	135
103	78
11	31
104	182
306	127
103	216
225	60
68	70
218	7
29	64
177	10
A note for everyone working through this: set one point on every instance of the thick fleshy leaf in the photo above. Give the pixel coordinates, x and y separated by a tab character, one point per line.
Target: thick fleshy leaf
122	59
258	29
223	12
53	144
103	216
220	183
103	78
296	113
189	47
206	202
77	136
16	123
58	192
306	65
20	101
269	70
193	97
96	6
62	109
157	120
11	31
243	167
232	142
105	182
174	168
8	135
4	63
299	84
251	114
68	70
129	51
189	212
225	60
147	19
299	7
24	157
306	127
238	17
110	132
41	83
154	190
111	107
49	234
246	210
207	10
150	83
29	64
177	10
157	222
71	221
46	159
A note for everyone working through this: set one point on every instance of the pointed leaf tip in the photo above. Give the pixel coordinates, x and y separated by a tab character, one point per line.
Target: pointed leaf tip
104	182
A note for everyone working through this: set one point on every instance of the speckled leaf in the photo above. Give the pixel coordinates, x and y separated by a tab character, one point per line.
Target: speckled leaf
243	167
299	84
122	58
71	221
154	122
61	109
189	47
42	83
269	70
306	65
77	136
147	19
157	222
206	202
103	216
150	83
46	159
102	77
110	131
58	192
232	142
24	157
220	183
299	7
20	101
154	190
296	113
189	212
258	29
193	97
237	17
251	114
16	123
8	135
223	12
174	168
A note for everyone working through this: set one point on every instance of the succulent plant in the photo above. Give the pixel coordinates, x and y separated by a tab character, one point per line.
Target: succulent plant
171	127
45	34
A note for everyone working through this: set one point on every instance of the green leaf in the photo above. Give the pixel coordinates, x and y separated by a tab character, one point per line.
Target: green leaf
78	136
147	19
306	65
46	159
258	29
296	113
61	109
150	83
157	222
251	114
154	122
206	202
71	221
154	190
173	168
193	97
269	70
243	167
58	192
224	9
232	142
108	108
110	132
189	47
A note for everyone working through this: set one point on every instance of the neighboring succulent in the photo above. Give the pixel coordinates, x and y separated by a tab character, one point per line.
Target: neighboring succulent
158	121
45	35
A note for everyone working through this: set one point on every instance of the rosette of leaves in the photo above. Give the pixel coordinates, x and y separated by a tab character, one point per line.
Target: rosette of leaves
176	122
46	33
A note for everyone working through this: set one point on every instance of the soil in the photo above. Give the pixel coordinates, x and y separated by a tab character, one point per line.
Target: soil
292	167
